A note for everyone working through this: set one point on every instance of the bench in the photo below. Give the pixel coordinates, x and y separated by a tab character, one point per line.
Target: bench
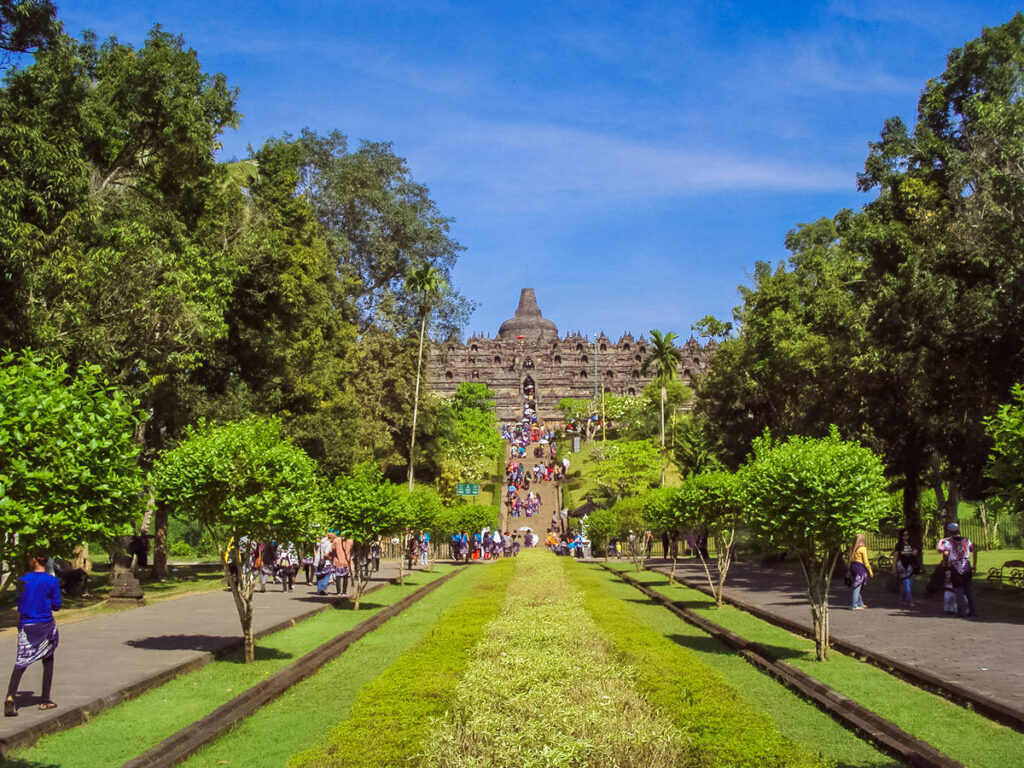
882	561
1010	573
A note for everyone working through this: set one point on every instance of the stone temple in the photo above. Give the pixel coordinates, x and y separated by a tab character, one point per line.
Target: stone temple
528	356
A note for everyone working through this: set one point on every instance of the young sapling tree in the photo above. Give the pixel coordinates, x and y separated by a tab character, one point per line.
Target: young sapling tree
811	497
245	483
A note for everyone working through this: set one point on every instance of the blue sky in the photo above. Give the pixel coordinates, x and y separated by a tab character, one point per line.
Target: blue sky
630	161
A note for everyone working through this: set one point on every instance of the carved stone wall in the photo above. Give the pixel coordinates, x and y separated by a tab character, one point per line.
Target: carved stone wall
558	367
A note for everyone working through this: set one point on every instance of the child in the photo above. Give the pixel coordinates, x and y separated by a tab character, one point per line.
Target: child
949	594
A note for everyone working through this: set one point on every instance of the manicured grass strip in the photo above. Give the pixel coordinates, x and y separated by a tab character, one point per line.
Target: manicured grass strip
963	735
389	719
186	742
129	729
948	689
561	697
738	716
882	732
306	713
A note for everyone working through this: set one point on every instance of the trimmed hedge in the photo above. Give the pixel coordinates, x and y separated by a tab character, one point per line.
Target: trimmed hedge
724	728
390	717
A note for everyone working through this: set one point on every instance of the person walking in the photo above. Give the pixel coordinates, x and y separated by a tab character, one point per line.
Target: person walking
962	556
341	563
37	630
860	570
904	559
322	563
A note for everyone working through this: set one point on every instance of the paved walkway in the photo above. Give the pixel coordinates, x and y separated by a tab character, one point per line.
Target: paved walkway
99	658
984	654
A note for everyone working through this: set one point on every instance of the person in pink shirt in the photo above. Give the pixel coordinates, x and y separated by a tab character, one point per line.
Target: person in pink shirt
341	559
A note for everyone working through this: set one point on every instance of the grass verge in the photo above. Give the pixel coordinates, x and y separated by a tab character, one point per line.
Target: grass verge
300	718
963	735
726	728
390	716
125	731
560	696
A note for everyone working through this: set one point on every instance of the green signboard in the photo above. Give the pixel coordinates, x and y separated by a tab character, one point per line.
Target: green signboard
467	489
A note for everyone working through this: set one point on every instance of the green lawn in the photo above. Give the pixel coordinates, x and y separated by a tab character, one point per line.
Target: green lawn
674	651
127	730
960	733
390	716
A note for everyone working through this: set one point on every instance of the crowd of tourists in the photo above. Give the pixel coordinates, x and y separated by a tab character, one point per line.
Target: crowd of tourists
954	576
489	545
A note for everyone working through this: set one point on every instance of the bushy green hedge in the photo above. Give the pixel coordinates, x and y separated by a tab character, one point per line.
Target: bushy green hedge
725	729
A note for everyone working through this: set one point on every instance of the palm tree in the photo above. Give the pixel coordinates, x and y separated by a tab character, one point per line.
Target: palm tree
663	361
426	282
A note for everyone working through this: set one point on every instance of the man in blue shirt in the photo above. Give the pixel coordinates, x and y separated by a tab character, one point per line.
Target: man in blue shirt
37	630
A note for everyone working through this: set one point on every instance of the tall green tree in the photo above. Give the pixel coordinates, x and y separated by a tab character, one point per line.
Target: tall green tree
796	365
944	231
627	467
425	282
26	26
663	362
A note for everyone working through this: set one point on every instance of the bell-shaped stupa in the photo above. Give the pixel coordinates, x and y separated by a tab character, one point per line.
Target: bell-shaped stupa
528	321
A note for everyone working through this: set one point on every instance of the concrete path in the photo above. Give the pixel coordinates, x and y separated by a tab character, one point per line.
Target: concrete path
984	654
113	656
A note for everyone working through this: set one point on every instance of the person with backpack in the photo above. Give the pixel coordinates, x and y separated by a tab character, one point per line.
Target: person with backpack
962	557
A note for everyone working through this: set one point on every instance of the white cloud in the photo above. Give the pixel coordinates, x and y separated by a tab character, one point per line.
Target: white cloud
528	166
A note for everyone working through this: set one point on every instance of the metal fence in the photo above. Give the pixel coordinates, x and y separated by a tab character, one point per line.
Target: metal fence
1010	535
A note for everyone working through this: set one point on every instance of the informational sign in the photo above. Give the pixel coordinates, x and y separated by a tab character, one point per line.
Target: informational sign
467	489
575	444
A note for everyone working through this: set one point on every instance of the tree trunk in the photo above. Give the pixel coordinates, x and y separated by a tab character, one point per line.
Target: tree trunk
242	586
983	512
160	542
707	572
724	543
912	502
663	396
675	555
81	558
817	591
247	633
819	615
416	401
360	578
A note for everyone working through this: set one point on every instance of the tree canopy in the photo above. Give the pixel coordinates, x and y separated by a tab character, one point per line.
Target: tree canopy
811	497
69	468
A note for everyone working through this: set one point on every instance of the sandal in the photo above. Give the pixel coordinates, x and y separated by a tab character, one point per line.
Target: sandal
10	708
48	705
